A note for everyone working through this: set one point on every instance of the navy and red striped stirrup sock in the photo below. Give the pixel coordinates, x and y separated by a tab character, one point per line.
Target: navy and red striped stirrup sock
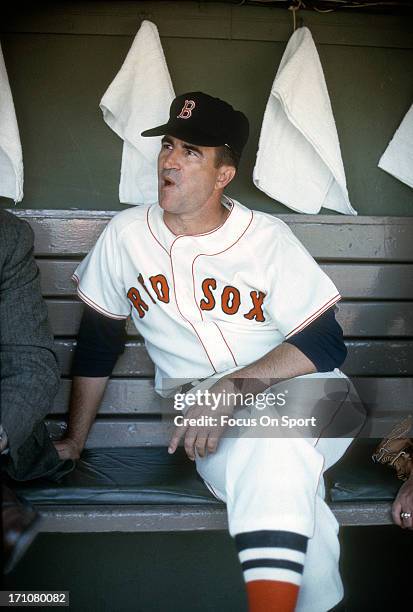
273	564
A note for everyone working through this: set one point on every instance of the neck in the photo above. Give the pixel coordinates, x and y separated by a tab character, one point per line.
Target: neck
203	220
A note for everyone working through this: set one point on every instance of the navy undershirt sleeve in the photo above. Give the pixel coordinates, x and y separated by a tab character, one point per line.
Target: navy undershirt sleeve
100	341
322	342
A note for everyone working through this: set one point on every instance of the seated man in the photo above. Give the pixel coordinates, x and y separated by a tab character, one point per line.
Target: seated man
29	378
222	295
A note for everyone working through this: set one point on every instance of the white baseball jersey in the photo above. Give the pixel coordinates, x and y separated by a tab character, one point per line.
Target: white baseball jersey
204	303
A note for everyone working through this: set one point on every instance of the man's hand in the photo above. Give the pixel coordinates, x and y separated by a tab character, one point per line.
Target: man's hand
85	397
67	449
203	439
404	503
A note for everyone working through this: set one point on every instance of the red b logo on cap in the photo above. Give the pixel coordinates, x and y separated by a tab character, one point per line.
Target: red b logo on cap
187	109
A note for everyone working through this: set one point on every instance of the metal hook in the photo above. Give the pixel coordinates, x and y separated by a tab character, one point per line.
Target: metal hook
297	4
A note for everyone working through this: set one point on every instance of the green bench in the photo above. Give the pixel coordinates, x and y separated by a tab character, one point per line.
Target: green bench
126	481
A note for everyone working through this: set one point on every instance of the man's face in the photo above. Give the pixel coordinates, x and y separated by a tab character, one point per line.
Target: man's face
186	175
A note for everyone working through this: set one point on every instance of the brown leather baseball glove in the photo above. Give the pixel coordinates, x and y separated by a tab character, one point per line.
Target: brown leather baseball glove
397	449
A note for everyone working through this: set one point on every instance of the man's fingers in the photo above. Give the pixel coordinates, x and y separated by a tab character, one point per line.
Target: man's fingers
197	440
407	522
212	443
208	442
61	450
201	443
173	444
189	443
194	439
66	449
396	509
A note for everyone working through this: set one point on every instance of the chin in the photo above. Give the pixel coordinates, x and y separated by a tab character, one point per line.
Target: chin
168	204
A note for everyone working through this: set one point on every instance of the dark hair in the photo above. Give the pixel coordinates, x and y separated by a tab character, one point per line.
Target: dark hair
224	156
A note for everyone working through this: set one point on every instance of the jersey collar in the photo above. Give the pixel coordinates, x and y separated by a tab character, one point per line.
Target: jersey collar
212	242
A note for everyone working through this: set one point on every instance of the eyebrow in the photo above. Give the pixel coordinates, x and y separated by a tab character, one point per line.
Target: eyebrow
190	147
186	145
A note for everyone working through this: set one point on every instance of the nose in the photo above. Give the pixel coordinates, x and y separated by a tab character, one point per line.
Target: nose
170	159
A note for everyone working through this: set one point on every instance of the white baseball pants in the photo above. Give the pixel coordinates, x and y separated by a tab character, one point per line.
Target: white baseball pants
276	484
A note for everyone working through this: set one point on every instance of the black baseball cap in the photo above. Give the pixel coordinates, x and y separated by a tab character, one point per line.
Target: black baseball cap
200	119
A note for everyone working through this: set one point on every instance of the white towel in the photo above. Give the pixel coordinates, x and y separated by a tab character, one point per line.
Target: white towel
398	157
299	161
11	159
139	98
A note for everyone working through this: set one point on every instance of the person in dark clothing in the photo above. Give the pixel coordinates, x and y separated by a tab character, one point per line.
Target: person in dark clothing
29	379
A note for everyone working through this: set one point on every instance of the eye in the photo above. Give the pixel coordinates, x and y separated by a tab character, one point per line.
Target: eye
190	152
166	145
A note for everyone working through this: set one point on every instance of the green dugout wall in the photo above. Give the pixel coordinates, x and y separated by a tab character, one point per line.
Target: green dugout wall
61	57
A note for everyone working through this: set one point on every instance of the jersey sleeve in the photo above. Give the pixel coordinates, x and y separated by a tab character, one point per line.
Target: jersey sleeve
299	289
98	278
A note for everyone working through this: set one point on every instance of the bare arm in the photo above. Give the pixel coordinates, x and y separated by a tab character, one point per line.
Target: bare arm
99	343
86	395
284	361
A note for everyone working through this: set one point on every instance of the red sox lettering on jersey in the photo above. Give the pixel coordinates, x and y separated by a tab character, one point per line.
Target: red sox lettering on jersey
230	300
207	303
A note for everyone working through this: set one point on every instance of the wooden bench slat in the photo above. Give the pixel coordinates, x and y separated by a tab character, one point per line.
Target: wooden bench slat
365	358
384	395
197	517
326	237
101	519
127	433
376	319
125	396
358	319
357	242
122	396
379	358
135	432
56	277
382	281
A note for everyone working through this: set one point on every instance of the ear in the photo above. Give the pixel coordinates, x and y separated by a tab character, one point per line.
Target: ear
224	176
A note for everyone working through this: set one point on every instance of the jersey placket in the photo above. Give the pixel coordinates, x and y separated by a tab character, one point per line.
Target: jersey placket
183	252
